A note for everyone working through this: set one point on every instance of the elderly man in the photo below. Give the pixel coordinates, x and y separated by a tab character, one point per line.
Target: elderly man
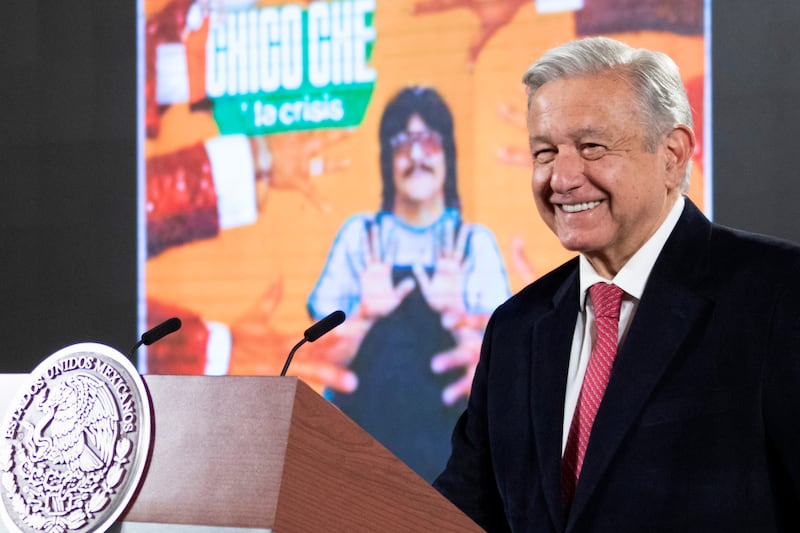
653	382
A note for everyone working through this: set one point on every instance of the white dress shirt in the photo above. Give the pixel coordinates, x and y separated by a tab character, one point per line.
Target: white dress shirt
631	279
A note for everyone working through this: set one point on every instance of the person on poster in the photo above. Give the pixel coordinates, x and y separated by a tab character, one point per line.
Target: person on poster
415	281
696	428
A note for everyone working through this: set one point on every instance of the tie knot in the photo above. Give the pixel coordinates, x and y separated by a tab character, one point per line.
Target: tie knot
606	299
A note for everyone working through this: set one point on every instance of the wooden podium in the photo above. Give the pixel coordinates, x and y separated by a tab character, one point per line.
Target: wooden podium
269	453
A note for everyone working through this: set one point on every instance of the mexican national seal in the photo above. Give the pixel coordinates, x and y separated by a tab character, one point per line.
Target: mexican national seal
74	442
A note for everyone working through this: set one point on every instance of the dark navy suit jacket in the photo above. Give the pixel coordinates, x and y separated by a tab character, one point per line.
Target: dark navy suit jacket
699	429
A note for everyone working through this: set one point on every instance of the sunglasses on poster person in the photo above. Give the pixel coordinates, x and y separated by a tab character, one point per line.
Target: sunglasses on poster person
429	141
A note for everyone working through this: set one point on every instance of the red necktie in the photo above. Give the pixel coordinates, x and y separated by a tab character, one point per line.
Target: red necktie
606	299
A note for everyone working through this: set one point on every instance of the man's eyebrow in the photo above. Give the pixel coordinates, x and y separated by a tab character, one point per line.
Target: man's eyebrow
574	135
586	132
538	139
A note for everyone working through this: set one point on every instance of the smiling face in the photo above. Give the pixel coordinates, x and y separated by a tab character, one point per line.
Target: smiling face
418	168
596	184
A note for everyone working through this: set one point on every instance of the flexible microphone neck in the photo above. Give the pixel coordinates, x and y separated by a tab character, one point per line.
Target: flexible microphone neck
291	355
156	333
315	332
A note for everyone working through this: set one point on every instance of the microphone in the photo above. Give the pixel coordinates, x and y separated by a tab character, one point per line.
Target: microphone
315	332
171	325
323	326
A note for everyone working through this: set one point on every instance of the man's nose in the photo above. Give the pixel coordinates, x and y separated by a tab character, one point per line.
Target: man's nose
567	171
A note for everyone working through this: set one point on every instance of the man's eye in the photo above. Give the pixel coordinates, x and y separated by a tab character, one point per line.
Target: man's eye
544	156
593	151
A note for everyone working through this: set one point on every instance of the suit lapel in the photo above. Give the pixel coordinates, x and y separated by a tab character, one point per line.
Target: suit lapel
669	309
552	338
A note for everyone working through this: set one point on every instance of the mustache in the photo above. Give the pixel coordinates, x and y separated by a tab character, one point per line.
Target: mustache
417	166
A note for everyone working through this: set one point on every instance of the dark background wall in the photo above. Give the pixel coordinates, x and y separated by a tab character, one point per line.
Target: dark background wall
67	177
756	78
68	159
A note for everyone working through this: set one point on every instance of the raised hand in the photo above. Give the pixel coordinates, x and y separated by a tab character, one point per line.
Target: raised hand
259	349
492	14
444	289
329	356
290	161
379	296
467	329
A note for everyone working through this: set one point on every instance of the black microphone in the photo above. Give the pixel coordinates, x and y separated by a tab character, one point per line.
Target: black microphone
171	325
324	326
315	332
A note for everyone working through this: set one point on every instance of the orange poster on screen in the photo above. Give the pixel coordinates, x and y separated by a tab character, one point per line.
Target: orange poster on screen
300	158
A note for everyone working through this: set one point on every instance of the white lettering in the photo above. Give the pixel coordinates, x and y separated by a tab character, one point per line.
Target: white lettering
269	50
363	35
291	47
338	37
262	50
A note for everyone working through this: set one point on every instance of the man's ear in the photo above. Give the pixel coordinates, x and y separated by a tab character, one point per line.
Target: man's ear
679	145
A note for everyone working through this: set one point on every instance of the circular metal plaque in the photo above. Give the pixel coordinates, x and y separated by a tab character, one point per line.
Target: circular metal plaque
74	442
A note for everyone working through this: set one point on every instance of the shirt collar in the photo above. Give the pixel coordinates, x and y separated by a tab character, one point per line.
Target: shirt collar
633	275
